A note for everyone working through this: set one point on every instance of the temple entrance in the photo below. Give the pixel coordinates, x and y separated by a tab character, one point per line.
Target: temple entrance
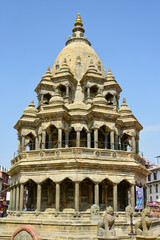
86	194
123	195
67	192
51	137
105	194
72	138
30	196
48	194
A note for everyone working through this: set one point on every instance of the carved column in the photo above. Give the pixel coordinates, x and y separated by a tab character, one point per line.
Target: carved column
19	144
88	92
39	190
106	141
95	137
76	196
11	198
14	199
88	139
17	198
50	140
144	197
67	91
43	139
133	196
133	144
77	138
59	137
23	143
115	196
57	197
37	143
66	139
21	197
96	191
112	139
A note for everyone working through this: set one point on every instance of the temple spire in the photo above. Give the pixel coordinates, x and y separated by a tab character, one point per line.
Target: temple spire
78	32
78	21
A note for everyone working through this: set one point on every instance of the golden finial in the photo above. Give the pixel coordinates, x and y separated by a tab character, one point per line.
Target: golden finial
78	21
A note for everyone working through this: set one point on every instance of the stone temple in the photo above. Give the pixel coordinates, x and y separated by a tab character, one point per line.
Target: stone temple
77	148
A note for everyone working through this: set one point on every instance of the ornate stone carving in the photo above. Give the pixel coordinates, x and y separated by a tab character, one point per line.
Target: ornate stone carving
143	227
106	226
95	211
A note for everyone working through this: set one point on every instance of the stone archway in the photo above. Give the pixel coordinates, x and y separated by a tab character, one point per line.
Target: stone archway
123	195
26	232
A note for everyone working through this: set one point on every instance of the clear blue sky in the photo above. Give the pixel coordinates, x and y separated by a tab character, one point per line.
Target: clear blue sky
124	33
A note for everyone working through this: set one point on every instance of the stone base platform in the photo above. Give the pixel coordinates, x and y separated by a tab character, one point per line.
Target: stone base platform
60	228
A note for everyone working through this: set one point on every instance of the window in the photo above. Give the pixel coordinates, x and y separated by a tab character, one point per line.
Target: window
155	175
156	188
156	197
149	177
151	199
150	189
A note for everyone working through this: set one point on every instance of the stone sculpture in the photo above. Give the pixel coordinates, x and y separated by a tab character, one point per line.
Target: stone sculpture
128	211
143	227
106	226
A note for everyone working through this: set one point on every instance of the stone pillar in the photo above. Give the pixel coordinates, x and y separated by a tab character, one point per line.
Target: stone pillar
67	91
96	138
50	140
119	142
59	137
112	140
115	196
66	139
37	143
88	92
21	197
96	192
106	141
133	144
76	196
57	197
88	139
39	197
144	197
43	139
14	199
116	142
19	144
41	99
137	146
11	197
133	196
17	198
77	138
23	143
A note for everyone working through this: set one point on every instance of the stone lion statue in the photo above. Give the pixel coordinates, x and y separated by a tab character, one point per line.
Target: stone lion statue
106	226
129	210
143	227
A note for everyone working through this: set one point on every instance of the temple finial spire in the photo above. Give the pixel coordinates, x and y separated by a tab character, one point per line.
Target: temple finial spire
78	21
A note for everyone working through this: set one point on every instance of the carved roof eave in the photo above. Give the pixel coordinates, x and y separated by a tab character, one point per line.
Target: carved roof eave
54	110
106	112
43	83
91	76
23	122
110	84
131	122
63	77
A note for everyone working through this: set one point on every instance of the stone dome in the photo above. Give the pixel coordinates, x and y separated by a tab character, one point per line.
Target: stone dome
31	108
78	54
56	99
